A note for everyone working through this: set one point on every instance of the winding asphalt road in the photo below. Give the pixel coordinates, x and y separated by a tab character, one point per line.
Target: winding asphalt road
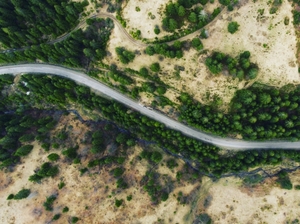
232	144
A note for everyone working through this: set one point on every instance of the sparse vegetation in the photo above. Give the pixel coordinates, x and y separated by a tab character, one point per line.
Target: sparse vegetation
153	188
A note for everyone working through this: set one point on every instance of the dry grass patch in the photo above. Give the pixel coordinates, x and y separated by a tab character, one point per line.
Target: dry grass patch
264	203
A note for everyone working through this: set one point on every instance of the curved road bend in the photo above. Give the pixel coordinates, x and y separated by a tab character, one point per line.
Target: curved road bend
79	77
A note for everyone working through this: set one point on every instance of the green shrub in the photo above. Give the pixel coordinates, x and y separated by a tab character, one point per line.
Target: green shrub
53	171
120	160
118	203
216	12
148	87
61	185
144	72
121	138
161	90
129	197
171	163
284	180
297	187
55	145
156	30
197	44
10	197
45	168
156	157
65	209
24	150
130	142
71	153
74	219
204	218
232	27
203	34
296	16
124	55
46	146
155	67
62	135
35	178
164	196
24	193
26	138
53	157
252	180
118	171
48	203
83	170
76	161
56	217
121	183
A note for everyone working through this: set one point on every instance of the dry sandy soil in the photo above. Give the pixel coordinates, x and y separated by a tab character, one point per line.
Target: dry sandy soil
146	19
90	197
230	202
277	60
271	43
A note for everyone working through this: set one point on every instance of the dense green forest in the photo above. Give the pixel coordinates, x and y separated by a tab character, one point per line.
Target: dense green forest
257	113
77	50
55	92
31	22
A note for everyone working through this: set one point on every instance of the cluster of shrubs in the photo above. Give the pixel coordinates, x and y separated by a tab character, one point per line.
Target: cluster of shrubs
240	67
177	13
24	193
170	51
124	55
153	156
154	189
46	170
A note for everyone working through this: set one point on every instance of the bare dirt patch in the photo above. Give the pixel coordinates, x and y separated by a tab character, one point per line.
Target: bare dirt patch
271	42
264	203
144	16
